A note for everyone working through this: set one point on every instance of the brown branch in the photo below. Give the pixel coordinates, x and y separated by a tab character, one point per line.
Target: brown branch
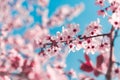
106	34
54	43
112	38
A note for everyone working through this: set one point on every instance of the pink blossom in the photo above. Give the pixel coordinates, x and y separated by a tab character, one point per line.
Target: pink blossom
100	2
115	20
102	13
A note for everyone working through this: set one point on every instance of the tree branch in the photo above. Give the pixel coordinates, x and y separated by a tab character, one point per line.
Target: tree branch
106	34
113	35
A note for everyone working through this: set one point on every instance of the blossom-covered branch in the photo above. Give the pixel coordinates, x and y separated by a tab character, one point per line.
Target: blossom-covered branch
29	52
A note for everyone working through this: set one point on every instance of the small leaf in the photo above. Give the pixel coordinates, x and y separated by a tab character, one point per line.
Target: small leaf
86	67
100	60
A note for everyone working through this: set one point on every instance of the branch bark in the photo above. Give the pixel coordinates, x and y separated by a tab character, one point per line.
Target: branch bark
112	36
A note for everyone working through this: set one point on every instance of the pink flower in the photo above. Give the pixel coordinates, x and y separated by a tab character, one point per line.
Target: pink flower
116	72
100	2
91	45
102	13
115	20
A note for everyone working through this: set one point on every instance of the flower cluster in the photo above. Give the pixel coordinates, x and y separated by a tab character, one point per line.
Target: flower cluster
114	6
92	44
